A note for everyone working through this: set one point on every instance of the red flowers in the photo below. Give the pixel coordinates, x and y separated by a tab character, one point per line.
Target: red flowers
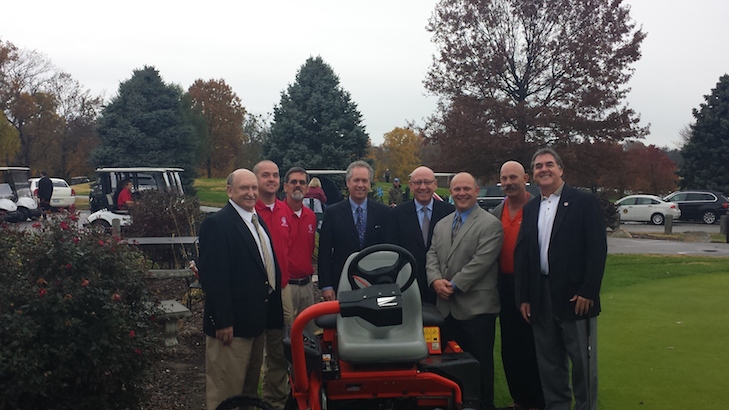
41	292
76	240
85	282
132	334
101	242
69	266
63	225
116	297
37	225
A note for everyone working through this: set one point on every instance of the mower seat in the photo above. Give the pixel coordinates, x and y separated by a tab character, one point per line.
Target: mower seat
360	341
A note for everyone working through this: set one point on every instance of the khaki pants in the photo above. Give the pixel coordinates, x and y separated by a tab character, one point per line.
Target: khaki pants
275	373
302	297
229	368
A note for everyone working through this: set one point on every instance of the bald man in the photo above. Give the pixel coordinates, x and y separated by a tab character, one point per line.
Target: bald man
411	224
462	268
242	285
517	340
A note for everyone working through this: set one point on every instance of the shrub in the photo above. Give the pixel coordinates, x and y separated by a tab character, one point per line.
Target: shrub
609	210
159	213
76	320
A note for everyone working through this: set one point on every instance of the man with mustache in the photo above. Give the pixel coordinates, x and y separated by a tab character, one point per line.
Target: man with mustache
242	285
275	213
517	339
349	226
559	263
301	247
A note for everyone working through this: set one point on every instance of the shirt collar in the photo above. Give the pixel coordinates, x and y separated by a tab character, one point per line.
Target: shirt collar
556	193
464	214
354	205
245	215
419	206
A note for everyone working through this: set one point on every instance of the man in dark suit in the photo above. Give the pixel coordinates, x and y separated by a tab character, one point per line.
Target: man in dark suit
559	263
242	285
348	227
461	266
411	224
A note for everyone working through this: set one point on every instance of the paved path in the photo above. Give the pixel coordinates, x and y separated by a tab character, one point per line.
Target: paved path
653	246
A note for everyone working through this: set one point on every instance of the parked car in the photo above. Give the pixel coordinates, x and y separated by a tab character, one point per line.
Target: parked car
15	189
63	195
701	205
489	197
79	180
646	208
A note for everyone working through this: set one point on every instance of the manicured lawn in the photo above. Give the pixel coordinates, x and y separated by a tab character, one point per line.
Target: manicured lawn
663	334
211	191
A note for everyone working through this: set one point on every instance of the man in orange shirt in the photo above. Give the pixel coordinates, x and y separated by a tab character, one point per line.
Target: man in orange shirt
517	340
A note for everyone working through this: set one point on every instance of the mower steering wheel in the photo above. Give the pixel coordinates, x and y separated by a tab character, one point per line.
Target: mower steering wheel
385	274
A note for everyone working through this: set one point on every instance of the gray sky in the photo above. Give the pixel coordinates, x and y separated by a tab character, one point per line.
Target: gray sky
378	48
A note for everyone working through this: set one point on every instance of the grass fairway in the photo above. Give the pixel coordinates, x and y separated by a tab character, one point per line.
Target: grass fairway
663	333
211	191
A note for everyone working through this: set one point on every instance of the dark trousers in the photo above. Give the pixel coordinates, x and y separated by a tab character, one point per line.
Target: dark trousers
517	350
559	342
476	336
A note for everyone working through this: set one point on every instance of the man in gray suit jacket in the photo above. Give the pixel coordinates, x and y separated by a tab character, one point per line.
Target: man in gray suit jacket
461	266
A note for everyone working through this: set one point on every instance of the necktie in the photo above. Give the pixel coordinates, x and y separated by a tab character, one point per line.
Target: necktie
267	255
425	225
456	227
360	225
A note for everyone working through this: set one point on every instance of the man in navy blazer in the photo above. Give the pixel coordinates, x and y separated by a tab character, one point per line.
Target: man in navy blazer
242	285
559	264
340	235
405	226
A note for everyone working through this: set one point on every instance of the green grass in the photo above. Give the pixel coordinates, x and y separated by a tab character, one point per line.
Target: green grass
211	191
663	334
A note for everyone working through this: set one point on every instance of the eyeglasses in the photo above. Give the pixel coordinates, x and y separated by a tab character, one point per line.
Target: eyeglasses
297	181
423	182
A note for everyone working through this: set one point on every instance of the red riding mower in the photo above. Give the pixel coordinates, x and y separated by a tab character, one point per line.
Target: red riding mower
380	348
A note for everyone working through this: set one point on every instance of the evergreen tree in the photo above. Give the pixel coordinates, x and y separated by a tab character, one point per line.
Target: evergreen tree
316	125
147	125
706	153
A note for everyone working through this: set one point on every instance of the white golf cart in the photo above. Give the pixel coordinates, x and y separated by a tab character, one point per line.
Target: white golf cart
101	198
15	189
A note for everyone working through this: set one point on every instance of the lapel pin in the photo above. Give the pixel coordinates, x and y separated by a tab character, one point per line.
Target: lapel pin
566	203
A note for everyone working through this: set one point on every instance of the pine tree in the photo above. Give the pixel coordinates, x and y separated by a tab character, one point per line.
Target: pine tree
316	125
706	153
147	125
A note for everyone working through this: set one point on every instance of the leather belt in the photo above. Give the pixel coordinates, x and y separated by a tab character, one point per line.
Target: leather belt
300	282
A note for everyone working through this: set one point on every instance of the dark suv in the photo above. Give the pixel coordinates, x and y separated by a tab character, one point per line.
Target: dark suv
702	205
489	197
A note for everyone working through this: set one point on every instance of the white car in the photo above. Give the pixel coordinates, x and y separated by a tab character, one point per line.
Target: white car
646	208
63	195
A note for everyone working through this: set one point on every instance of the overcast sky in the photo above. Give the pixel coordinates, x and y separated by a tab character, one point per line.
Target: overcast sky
378	48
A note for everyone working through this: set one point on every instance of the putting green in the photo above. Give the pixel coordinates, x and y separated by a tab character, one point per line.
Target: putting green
664	344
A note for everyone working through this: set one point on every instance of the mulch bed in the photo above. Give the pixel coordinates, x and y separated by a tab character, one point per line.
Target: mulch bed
178	380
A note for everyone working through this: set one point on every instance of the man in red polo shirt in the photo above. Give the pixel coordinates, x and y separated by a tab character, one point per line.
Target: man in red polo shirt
301	248
517	340
276	214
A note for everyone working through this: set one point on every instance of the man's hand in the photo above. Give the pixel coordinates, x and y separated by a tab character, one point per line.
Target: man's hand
443	288
526	311
328	294
582	306
225	334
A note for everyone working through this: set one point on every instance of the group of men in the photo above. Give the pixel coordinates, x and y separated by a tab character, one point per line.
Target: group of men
536	263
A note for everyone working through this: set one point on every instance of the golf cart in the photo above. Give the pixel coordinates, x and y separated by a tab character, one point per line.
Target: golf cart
380	347
101	198
15	189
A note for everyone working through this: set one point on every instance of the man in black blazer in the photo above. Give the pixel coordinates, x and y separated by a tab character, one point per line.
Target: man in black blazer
348	227
559	264
242	285
411	228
